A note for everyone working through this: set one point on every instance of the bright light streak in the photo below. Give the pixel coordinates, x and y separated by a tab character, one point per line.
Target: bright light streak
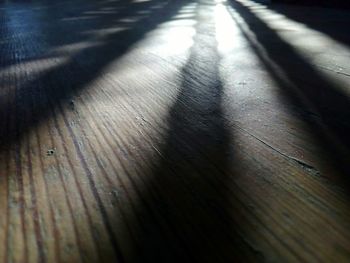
324	53
226	29
176	35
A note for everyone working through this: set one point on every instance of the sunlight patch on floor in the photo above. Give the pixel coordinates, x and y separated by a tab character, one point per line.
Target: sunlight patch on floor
319	49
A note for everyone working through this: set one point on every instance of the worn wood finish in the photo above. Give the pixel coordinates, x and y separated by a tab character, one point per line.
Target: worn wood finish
172	131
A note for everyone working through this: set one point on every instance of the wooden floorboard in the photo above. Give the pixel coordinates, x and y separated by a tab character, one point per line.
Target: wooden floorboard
173	131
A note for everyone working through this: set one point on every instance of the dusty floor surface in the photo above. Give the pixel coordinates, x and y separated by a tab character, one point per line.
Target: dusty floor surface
174	131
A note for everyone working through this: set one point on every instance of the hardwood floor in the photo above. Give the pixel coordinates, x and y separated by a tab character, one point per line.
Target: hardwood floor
173	131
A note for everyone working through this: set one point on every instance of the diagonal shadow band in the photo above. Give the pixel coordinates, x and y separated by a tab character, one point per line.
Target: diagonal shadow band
25	103
39	96
318	102
187	187
323	20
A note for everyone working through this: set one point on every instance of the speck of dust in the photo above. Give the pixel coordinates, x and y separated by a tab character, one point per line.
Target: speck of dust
50	152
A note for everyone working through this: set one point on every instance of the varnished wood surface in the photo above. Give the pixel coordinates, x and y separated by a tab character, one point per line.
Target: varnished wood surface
173	131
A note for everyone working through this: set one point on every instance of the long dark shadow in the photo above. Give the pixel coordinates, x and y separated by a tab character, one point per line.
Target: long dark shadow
317	3
188	187
332	22
312	97
27	100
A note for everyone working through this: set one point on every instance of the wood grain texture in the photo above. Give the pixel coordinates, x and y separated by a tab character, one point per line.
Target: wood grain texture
173	131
